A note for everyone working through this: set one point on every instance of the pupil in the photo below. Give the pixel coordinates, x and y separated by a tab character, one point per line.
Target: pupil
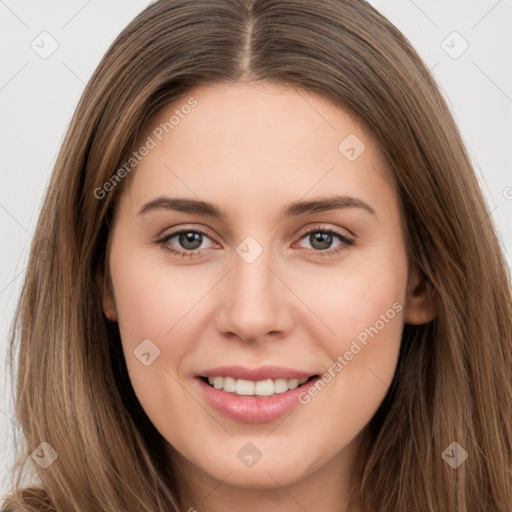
324	239
187	240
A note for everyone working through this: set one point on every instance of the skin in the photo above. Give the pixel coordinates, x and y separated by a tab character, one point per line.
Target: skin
251	149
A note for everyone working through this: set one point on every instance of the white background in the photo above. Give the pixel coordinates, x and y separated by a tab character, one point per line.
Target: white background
38	97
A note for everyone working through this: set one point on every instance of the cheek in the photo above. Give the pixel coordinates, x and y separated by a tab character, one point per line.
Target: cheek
152	297
352	301
359	309
155	311
157	321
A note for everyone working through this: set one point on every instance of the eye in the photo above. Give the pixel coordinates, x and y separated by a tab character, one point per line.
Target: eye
190	240
321	241
186	243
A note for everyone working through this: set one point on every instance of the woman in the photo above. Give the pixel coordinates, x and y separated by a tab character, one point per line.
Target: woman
367	370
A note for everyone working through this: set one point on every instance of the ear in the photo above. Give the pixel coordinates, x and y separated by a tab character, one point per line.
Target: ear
107	297
419	305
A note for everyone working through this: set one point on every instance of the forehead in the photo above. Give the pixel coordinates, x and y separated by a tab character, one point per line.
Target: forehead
258	140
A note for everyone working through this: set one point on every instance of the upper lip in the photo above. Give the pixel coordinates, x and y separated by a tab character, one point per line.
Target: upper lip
257	374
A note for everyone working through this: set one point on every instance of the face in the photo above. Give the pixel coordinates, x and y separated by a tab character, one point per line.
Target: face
262	328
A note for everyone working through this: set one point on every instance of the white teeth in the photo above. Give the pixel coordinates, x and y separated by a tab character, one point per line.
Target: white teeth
244	387
264	388
229	384
293	383
250	388
280	385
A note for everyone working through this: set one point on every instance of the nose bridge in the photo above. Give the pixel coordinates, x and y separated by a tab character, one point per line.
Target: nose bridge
253	300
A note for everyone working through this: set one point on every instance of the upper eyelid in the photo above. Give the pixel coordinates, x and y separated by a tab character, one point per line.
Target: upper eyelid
323	227
178	231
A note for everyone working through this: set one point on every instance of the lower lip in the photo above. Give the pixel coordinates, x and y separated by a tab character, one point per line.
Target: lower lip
253	409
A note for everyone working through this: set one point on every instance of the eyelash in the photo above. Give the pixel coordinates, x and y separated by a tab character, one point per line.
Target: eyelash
346	242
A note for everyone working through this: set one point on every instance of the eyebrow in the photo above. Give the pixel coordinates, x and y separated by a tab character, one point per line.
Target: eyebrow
294	209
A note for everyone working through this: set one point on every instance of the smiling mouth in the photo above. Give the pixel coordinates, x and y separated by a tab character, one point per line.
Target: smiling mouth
259	389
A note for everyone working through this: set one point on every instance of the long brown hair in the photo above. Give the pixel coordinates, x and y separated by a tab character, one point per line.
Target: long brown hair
453	382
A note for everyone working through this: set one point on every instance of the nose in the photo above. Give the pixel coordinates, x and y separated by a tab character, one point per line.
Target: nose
254	301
